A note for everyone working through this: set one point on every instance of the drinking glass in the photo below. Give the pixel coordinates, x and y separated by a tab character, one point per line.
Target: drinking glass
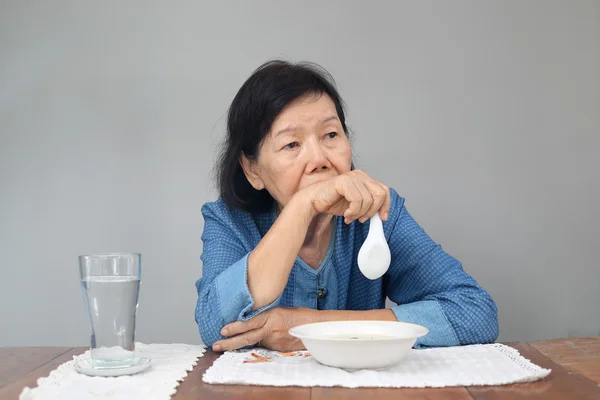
110	284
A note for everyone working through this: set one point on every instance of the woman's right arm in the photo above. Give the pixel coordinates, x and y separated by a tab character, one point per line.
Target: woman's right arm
236	283
270	263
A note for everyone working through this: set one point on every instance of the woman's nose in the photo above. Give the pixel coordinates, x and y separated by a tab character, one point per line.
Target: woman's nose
316	159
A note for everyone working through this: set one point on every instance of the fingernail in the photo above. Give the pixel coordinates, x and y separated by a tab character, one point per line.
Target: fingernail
386	215
217	347
224	332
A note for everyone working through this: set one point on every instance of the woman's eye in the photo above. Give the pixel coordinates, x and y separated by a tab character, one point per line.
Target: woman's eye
290	146
331	135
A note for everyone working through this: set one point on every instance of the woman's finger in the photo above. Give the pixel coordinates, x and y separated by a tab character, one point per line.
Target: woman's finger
367	200
379	194
353	196
235	328
249	338
384	211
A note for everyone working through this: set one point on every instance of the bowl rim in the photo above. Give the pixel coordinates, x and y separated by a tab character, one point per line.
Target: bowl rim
293	331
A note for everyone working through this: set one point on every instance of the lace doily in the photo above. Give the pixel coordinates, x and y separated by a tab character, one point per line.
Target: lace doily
492	364
170	364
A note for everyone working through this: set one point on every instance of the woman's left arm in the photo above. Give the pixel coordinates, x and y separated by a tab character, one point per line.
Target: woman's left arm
432	289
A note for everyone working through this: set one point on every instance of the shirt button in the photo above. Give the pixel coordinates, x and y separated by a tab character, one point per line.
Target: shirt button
322	294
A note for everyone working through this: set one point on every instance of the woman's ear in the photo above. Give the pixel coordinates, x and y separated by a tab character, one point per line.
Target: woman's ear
250	168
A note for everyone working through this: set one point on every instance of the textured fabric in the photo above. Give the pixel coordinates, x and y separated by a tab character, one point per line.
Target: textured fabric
476	365
429	286
169	365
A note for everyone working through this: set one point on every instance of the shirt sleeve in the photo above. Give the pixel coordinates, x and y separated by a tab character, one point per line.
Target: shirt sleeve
223	293
432	289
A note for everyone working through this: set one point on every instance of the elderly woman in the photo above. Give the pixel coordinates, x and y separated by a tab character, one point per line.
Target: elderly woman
280	244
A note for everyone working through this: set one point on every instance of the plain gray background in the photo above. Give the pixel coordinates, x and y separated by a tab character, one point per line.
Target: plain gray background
484	115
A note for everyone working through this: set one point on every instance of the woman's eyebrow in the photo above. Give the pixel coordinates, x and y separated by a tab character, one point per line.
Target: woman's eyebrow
328	119
292	128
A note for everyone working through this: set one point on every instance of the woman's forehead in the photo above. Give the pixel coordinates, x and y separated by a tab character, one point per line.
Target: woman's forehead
309	110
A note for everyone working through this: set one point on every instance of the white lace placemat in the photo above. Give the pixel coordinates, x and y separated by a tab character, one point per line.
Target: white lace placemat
170	364
492	364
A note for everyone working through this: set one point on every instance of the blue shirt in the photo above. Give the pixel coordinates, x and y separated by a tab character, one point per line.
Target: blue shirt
429	286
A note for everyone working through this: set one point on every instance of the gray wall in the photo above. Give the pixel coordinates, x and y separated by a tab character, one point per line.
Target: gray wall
484	115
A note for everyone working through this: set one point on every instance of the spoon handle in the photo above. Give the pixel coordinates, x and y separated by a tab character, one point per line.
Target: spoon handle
375	224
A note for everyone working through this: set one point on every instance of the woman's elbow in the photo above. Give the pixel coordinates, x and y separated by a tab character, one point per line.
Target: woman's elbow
208	336
491	328
482	327
209	325
487	331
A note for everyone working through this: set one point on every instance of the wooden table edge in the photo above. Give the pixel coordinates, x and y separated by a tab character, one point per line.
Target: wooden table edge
474	392
37	366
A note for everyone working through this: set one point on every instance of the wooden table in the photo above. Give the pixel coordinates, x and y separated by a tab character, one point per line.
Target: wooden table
575	365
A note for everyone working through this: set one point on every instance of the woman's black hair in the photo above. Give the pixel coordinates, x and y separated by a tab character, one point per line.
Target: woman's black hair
264	95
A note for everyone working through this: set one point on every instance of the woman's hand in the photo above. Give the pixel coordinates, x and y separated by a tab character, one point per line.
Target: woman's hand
269	328
355	195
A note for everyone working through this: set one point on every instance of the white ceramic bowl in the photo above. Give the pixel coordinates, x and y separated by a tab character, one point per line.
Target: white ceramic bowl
356	345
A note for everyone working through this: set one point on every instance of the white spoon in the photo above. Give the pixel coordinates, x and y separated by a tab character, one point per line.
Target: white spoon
374	255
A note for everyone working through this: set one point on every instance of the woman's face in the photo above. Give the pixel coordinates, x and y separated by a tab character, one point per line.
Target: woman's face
306	144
